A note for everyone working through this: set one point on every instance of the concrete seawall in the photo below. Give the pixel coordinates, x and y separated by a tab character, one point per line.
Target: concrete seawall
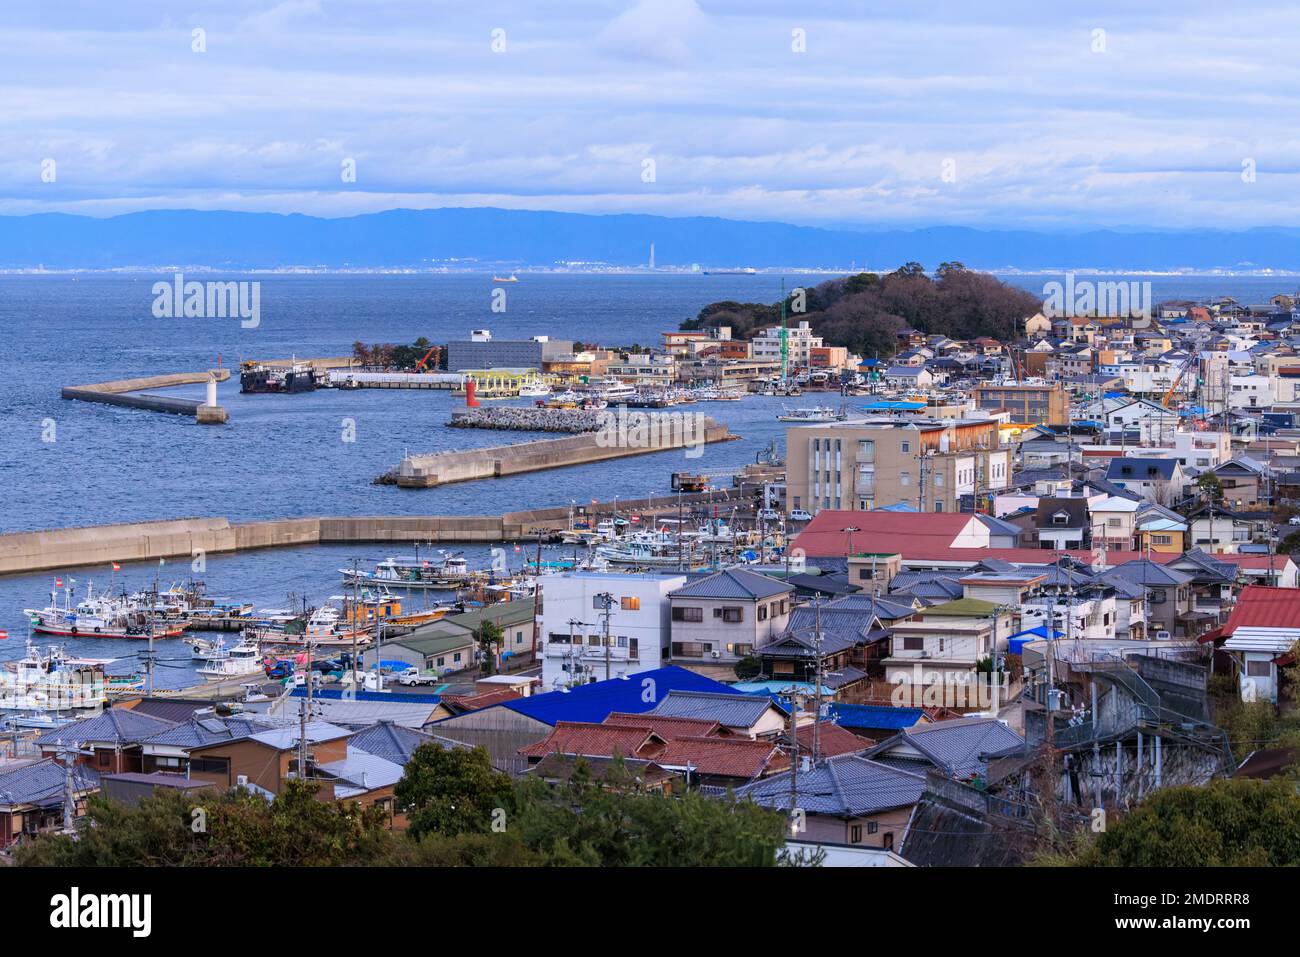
124	392
464	465
184	538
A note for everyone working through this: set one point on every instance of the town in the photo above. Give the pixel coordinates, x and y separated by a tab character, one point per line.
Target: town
1000	602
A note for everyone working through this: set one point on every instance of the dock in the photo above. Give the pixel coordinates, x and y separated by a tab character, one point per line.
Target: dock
54	549
635	433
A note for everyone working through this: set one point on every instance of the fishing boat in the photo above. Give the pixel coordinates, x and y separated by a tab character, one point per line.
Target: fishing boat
819	413
243	659
657	548
450	571
207	650
511	278
529	390
53	681
100	616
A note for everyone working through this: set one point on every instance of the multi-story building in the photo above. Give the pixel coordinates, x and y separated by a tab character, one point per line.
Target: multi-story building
863	464
1029	404
484	352
724	617
646	369
572	629
800	344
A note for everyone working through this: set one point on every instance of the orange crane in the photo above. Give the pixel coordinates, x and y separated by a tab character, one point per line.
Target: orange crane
436	352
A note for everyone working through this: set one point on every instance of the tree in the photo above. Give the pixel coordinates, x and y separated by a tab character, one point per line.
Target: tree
452	791
214	828
1237	822
490	638
1210	484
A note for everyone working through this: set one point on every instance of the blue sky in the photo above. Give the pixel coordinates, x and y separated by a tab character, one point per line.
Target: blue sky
1038	120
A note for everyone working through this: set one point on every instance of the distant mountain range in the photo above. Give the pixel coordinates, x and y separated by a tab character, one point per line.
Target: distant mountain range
489	237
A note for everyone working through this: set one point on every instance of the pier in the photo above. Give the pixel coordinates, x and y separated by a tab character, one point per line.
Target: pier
123	392
635	433
23	552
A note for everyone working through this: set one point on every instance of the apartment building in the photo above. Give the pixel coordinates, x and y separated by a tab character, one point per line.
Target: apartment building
1029	404
800	340
863	464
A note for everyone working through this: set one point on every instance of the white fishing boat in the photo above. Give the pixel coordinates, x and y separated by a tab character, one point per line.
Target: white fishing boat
531	390
240	661
657	549
100	616
819	413
53	681
207	650
448	571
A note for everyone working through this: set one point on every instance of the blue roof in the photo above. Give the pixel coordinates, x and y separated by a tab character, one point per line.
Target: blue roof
596	701
892	405
873	716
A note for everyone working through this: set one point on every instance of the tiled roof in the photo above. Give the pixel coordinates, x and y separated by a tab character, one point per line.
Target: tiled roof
846	786
598	740
1147	573
737	583
41	783
952	746
472	702
723	757
593	702
113	726
883	608
731	710
832	740
169	709
666	726
1135	469
390	741
208	729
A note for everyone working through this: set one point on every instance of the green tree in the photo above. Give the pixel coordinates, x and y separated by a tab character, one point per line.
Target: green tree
490	637
1237	822
1211	486
452	791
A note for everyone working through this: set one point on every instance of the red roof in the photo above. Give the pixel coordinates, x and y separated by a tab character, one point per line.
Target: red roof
1259	606
597	740
725	757
831	740
666	726
882	532
473	702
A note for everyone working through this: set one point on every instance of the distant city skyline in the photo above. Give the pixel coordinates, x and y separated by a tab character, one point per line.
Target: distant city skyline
860	117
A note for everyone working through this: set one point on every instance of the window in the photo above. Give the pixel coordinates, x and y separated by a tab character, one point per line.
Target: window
913	643
904	478
855	834
873	827
1259	669
633	647
688	614
905	447
733	615
762	613
210	765
866	450
689	649
630	603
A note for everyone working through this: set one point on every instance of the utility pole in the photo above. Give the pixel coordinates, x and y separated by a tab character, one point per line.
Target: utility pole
607	602
817	652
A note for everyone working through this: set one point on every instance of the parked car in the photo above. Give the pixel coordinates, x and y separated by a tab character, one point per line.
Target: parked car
800	515
413	676
1293	520
769	515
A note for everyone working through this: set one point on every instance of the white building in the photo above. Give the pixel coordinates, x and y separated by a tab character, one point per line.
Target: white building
571	626
800	341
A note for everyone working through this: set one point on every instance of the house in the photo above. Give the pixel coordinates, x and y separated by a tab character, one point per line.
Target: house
1242	479
1170	601
132	787
112	739
725	616
1217	529
267	759
835	641
168	751
959	748
880	719
910	378
745	716
944	644
1114	523
615	774
1155	479
1061	523
582	609
1260	636
452	643
33	793
503	728
848	800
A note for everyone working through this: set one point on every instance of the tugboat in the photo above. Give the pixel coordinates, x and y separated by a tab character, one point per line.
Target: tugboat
257	378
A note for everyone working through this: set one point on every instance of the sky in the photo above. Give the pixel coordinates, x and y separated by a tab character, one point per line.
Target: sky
852	115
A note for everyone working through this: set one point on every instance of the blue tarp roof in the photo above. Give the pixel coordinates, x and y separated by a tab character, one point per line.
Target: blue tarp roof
596	701
1017	642
874	716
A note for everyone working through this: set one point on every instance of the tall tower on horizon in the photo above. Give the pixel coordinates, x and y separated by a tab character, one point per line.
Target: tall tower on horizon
652	255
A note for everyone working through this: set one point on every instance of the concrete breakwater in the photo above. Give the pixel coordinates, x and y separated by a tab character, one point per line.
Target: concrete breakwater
510	419
121	392
188	538
618	435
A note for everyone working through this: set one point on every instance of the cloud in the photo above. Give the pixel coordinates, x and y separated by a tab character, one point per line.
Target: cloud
658	30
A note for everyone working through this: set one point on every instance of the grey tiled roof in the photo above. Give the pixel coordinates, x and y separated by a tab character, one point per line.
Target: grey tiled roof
41	783
730	710
849	785
733	583
203	730
1143	571
954	747
113	726
883	608
389	741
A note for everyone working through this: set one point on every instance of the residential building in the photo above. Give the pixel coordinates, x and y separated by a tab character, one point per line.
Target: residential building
1159	480
723	617
1028	404
863	464
572	625
800	342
